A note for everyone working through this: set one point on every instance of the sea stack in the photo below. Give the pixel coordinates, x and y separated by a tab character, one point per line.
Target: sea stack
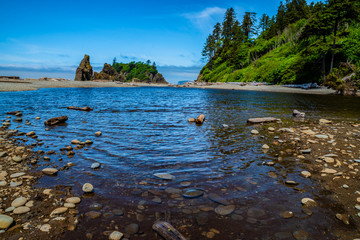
84	72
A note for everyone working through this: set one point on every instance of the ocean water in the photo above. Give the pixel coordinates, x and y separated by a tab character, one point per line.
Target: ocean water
145	131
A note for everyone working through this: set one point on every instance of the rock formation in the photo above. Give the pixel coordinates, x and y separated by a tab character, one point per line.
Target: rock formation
157	78
109	73
84	71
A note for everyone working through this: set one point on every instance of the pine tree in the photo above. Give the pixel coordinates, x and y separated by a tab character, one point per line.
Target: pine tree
264	23
217	36
281	18
248	24
228	25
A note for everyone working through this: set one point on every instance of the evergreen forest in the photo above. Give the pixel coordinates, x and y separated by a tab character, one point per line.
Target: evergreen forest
302	43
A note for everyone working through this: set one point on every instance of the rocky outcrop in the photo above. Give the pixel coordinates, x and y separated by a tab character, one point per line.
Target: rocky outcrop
157	78
84	71
109	73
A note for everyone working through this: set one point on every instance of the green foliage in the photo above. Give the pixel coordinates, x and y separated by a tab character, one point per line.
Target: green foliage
139	70
300	44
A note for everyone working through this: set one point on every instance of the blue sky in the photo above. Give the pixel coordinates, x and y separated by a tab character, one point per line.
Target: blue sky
49	38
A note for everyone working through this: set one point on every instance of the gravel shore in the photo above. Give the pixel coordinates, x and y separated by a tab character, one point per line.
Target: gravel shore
9	85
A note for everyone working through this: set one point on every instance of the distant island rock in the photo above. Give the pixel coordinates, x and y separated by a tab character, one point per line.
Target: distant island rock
84	72
109	73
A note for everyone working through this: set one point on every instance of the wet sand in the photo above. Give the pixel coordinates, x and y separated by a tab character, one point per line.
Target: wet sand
10	85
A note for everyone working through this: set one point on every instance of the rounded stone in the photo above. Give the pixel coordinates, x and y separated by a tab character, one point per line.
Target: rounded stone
59	210
132	228
301	235
69	205
74	200
15	175
254	132
98	134
265	146
165	176
193	193
287	214
306	174
308	202
21	210
45	228
87	188
17	159
115	235
50	171
93	214
20	201
5	221
95	165
224	210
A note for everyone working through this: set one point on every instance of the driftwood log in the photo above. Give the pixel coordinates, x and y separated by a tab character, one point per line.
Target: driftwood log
262	120
13	112
167	231
56	120
200	119
86	109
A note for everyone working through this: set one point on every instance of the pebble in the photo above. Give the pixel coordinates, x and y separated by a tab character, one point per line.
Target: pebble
21	210
15	175
87	188
255	213
50	171
93	214
321	136
69	205
132	228
218	199
306	174
9	209
30	204
210	234
301	235
193	193
17	159
306	151
156	200
287	214
329	170
89	142
165	176
202	218
20	201
115	235
224	210
58	211
185	184
271	129
45	228
98	134
74	200
345	186
254	132
308	202
15	184
95	165
265	146
3	183
118	212
5	221
95	206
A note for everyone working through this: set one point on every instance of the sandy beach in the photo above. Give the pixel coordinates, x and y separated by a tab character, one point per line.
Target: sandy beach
10	85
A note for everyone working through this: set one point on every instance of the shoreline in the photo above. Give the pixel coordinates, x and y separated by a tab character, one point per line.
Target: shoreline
11	85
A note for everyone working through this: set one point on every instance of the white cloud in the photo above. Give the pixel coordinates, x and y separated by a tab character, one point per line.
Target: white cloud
206	19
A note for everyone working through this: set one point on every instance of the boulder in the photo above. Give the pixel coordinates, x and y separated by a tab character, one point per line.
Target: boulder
56	120
200	119
298	114
84	72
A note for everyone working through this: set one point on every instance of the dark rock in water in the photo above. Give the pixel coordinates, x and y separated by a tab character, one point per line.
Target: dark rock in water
262	120
218	199
13	112
56	120
132	228
86	109
84	72
202	218
200	119
298	114
193	193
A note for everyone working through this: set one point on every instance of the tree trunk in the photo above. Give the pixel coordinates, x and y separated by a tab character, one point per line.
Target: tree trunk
167	231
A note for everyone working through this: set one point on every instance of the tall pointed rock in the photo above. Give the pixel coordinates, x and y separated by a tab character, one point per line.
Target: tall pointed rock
84	72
